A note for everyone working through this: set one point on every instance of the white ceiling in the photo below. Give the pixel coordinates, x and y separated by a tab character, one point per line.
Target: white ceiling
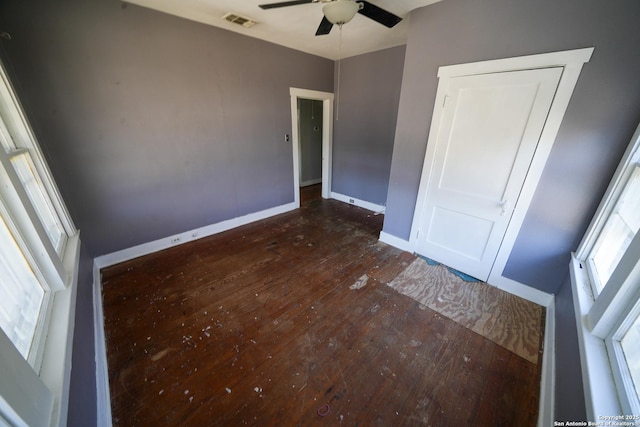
295	26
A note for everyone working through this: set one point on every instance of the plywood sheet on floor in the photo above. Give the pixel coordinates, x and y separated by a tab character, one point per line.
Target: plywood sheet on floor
509	321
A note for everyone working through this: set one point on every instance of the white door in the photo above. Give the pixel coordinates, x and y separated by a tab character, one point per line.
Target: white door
487	135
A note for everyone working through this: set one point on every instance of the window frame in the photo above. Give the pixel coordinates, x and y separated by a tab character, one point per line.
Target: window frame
602	317
34	357
18	126
22	218
631	169
622	376
49	271
37	390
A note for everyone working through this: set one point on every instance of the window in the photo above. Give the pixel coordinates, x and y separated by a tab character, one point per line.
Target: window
617	233
26	170
32	236
38	272
609	306
630	344
21	293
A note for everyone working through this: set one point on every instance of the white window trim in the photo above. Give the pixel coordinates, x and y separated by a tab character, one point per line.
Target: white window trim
55	371
17	123
31	399
32	396
597	320
624	383
597	379
24	217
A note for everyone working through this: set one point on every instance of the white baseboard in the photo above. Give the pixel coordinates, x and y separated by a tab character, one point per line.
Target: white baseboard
357	202
523	291
188	236
102	372
397	242
103	398
546	411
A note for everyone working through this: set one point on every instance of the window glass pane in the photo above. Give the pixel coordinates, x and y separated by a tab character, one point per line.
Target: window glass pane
617	233
21	294
39	198
631	348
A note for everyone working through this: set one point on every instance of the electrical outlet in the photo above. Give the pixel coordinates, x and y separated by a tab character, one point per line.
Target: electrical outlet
176	239
351	201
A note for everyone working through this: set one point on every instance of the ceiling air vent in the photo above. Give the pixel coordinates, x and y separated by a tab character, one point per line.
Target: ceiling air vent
240	20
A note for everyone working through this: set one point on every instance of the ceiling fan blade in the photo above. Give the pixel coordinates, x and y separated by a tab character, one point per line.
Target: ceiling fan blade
324	27
372	11
285	4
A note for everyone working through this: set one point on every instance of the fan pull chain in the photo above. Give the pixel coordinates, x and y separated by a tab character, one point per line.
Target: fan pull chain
338	84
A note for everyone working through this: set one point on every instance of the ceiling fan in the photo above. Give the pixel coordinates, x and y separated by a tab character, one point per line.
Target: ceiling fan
339	12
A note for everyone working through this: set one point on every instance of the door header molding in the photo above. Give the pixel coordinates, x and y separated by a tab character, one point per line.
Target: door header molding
575	57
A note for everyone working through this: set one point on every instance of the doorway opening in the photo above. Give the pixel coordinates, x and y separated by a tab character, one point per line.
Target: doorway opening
312	138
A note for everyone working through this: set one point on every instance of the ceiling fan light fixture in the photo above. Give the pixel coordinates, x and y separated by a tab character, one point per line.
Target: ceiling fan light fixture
340	11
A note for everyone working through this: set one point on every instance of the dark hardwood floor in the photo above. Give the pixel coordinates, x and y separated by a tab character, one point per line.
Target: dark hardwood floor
259	326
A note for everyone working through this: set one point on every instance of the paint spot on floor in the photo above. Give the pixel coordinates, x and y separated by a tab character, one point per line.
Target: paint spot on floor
159	355
360	283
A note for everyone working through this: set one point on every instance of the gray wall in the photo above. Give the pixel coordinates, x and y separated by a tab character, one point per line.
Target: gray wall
310	116
152	124
366	110
599	122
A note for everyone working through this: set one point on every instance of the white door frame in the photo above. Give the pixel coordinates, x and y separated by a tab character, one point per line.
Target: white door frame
572	62
327	138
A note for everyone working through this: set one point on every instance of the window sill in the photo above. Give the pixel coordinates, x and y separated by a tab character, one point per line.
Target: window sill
601	398
55	370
